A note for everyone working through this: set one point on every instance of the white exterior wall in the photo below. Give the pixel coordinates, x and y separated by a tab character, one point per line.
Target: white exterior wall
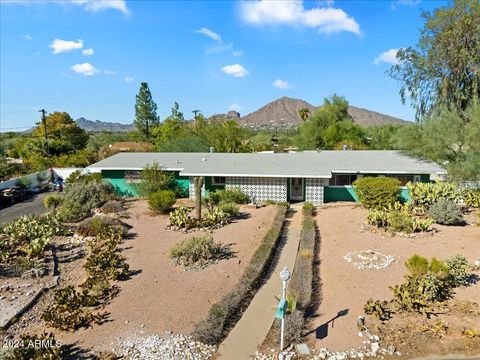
314	190
262	188
191	188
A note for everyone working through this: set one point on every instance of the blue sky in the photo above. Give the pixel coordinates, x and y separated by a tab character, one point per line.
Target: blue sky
88	57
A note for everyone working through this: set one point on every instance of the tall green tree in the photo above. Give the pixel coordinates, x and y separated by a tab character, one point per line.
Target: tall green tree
329	127
63	132
444	68
145	111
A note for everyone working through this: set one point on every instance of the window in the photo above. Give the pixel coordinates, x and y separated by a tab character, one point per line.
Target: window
404	179
342	179
132	176
218	180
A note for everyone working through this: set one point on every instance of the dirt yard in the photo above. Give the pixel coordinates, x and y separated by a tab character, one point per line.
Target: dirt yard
346	289
163	297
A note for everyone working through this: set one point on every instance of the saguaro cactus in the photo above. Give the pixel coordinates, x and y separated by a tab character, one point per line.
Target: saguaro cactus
198	182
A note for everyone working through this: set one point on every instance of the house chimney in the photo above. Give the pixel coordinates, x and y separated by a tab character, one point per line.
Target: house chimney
212	149
344	147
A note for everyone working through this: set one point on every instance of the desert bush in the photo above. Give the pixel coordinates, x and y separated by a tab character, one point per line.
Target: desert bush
233	195
78	177
215	218
294	327
161	201
426	194
458	270
95	225
197	250
28	236
471	197
181	218
426	283
378	218
35	348
229	208
153	178
112	207
400	221
52	201
223	315
81	198
377	308
308	208
445	212
69	310
377	192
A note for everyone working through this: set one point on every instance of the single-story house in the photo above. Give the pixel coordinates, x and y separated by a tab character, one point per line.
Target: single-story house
315	176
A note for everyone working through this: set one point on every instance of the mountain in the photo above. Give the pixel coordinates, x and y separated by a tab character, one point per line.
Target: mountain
283	113
97	125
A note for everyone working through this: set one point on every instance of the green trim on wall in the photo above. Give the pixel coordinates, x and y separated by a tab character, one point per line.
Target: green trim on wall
339	193
117	179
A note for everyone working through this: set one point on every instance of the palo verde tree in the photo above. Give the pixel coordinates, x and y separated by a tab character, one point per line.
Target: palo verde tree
145	111
444	68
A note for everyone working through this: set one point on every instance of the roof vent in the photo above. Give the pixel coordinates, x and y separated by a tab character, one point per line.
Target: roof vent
344	147
212	149
204	159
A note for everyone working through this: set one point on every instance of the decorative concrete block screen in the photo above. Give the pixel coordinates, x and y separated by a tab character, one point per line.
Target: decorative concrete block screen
191	189
262	188
314	190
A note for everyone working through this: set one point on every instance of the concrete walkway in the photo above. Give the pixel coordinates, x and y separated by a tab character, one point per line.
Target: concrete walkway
253	327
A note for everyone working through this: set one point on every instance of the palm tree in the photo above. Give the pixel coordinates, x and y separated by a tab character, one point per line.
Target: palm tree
304	113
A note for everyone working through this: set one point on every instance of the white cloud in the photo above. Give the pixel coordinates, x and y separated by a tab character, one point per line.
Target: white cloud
292	12
109	72
281	84
129	79
389	56
86	69
218	48
98	5
27	37
235	107
211	34
237	53
396	3
88	52
236	70
60	46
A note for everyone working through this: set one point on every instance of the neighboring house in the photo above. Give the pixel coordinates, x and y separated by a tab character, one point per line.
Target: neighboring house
315	176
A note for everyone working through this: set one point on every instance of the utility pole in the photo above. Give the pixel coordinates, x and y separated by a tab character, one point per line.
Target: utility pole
44	121
195	114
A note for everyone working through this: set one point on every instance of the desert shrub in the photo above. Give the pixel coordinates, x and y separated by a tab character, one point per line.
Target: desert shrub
458	270
308	208
75	308
377	308
95	225
223	315
215	218
181	218
233	195
81	198
377	192
78	177
445	212
229	208
400	221
69	310
52	201
294	326
197	250
35	348
28	236
161	201
426	194
153	178
471	197
378	218
112	206
426	283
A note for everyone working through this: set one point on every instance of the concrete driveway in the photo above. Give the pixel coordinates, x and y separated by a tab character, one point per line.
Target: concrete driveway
32	205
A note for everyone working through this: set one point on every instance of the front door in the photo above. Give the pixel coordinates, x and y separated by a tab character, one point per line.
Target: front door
296	189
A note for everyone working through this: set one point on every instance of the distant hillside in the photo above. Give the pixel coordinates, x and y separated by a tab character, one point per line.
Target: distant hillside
283	113
97	125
